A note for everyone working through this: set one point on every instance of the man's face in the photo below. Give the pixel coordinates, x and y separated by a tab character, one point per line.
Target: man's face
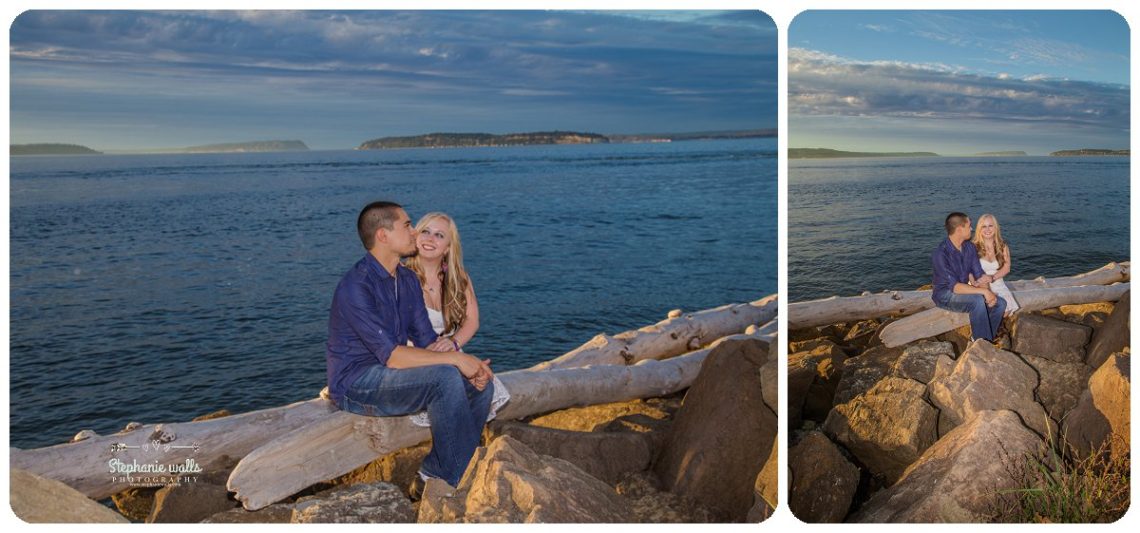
402	237
965	229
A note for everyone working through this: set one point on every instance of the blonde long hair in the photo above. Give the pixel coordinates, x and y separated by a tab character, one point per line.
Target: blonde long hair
999	243
453	277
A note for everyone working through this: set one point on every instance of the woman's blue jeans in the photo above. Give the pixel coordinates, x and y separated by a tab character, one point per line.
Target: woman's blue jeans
457	409
984	321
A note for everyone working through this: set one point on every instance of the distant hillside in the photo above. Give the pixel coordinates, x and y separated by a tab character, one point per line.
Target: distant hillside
827	153
1091	151
50	149
694	136
255	146
1007	153
453	140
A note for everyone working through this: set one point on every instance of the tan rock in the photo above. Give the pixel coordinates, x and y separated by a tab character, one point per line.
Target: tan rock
860	373
135	503
1060	385
592	417
280	513
363	503
604	455
920	360
647	504
965	477
399	467
861	333
984	379
822	482
767	483
1053	339
813	375
1102	416
39	500
717	447
189	502
1113	336
887	427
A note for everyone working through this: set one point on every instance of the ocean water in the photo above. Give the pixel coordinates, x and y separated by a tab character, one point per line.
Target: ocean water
160	287
871	224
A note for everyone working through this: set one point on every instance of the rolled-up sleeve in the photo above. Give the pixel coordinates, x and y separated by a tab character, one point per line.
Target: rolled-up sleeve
357	306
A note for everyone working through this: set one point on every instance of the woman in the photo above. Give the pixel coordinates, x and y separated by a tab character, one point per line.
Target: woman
993	253
448	294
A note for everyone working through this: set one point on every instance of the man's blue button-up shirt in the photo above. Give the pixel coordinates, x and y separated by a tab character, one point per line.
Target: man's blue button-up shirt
372	312
952	266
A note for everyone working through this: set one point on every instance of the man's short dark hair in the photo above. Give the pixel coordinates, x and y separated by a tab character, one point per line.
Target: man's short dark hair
374	216
954	221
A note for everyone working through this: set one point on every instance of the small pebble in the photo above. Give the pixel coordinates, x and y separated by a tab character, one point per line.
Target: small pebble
84	435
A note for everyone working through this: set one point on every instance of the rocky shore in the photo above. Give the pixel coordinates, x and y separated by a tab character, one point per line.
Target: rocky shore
666	459
948	430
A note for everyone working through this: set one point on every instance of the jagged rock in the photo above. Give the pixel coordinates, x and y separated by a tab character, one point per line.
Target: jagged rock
38	500
604	455
135	503
920	360
964	477
1113	336
280	513
1092	315
592	417
440	504
822	481
649	505
84	435
1060	384
507	482
861	373
1102	415
803	334
707	458
959	337
813	375
810	345
764	497
131	426
189	502
363	503
769	378
887	427
220	413
1053	339
398	467
986	378
861	333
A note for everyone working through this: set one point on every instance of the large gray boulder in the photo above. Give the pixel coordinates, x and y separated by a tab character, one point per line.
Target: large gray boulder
887	427
363	503
920	360
1060	385
1057	340
507	482
1102	417
39	500
986	378
723	433
1113	336
860	373
965	477
821	480
604	455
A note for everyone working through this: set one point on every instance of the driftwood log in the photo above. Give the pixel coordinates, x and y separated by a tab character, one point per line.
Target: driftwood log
937	321
846	309
678	334
343	441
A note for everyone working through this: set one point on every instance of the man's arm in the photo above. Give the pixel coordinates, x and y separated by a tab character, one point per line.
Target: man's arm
982	280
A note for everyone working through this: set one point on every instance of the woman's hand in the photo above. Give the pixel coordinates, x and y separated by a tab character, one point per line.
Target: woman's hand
443	344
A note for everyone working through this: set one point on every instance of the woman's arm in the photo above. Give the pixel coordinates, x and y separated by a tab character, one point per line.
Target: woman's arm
471	322
1005	268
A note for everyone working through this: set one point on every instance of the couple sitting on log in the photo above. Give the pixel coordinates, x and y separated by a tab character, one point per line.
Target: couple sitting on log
968	274
396	334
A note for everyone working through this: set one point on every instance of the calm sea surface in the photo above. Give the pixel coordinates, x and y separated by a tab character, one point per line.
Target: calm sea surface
158	288
871	224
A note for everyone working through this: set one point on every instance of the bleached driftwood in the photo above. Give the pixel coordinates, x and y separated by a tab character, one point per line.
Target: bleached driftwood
937	321
670	337
846	309
85	465
344	441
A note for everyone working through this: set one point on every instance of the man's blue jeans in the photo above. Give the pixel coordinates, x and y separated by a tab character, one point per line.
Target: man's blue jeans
984	321
457	409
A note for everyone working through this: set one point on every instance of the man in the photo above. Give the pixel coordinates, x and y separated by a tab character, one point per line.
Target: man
954	261
377	307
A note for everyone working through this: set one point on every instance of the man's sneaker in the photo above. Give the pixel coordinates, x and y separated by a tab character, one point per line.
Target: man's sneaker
416	489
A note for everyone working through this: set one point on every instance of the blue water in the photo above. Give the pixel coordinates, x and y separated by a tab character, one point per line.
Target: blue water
871	224
158	288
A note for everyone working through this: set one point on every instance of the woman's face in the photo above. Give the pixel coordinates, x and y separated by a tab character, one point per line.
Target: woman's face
986	228
433	239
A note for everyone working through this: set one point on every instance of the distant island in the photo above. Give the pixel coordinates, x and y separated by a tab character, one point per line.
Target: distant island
254	146
1007	153
694	136
1091	151
827	153
50	149
456	140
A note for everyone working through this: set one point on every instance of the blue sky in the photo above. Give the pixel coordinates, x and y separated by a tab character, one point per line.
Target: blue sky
143	80
958	82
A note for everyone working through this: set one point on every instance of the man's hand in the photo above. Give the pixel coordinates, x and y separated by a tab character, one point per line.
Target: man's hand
991	298
984	281
476	371
484	377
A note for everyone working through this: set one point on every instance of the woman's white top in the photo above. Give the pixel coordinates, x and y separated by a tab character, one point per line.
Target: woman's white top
498	400
998	286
